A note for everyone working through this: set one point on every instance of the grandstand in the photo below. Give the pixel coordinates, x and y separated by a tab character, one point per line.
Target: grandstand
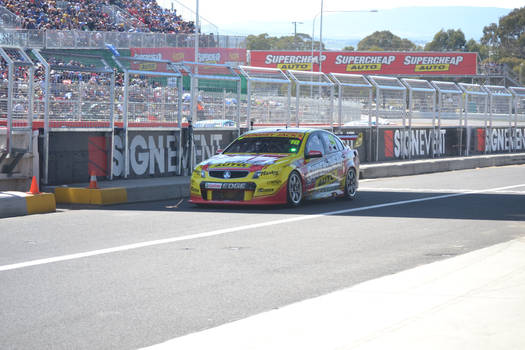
93	15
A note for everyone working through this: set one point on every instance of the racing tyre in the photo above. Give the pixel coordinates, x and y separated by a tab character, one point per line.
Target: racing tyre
351	184
294	189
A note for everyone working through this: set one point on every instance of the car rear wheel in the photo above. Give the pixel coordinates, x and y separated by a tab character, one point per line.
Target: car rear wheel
295	189
351	184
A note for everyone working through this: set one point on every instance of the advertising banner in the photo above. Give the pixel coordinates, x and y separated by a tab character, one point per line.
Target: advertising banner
233	57
498	140
370	63
418	143
156	153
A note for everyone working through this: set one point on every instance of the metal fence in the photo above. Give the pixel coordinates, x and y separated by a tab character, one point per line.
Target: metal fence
314	98
500	105
79	39
268	96
421	102
449	103
16	98
354	94
214	95
61	91
518	105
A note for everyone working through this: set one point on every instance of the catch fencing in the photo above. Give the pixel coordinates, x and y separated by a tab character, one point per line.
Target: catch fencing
80	39
268	99
61	92
314	99
518	105
354	94
16	99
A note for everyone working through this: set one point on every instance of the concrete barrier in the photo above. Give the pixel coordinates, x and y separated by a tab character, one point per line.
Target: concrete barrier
415	167
177	187
14	203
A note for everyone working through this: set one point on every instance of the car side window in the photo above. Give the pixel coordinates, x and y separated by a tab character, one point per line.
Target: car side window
330	142
340	145
314	144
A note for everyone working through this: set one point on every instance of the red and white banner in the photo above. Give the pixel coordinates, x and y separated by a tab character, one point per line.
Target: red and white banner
370	63
233	57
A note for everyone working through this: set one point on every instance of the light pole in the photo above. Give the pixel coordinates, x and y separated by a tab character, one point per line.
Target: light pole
321	32
295	32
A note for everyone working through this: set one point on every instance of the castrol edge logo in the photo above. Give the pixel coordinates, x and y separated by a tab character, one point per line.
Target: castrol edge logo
364	63
293	62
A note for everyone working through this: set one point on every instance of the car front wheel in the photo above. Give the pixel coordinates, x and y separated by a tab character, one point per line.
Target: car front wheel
295	189
351	184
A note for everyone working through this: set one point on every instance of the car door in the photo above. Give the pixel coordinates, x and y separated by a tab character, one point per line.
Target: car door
334	163
315	167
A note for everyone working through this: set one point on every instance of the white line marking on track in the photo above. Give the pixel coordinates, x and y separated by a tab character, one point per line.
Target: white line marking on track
230	230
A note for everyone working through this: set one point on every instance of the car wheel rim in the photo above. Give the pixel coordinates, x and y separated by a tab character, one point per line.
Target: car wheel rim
295	189
351	183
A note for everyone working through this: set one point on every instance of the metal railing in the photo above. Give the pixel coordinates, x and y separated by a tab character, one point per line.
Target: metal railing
314	98
16	98
354	94
268	96
78	39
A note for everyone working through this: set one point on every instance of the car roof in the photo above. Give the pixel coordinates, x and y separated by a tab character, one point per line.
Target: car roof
281	130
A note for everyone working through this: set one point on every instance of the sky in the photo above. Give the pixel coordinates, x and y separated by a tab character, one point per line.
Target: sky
275	17
225	12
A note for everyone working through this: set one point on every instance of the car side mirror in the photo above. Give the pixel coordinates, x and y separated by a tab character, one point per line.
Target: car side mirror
314	154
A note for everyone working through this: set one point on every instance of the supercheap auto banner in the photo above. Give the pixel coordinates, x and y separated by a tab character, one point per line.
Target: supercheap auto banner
233	57
370	63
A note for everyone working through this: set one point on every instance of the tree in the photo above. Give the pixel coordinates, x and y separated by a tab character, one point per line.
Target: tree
348	48
451	40
507	38
473	46
265	42
385	41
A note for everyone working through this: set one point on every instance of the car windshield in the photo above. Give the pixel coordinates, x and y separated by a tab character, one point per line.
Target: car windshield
264	145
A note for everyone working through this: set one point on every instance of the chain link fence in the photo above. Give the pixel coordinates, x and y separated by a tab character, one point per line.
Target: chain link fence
518	105
314	99
213	96
268	97
16	98
354	94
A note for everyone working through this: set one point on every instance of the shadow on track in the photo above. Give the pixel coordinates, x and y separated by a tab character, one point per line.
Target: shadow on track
478	206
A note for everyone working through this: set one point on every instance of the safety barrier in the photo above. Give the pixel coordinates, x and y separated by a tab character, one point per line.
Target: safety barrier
140	119
16	99
80	39
314	98
150	97
518	105
268	96
354	94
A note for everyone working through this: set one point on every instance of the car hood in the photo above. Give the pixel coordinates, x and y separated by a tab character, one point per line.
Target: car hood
242	161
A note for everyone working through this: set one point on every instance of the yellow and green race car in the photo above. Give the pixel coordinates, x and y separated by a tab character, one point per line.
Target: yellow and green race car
277	166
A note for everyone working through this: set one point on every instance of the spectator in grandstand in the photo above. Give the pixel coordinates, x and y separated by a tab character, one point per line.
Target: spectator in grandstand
94	15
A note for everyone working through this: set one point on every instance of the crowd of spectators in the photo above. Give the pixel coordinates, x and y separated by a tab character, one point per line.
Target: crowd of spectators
98	15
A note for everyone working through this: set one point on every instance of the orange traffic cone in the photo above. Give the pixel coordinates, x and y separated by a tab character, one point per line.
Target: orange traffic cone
34	187
93	181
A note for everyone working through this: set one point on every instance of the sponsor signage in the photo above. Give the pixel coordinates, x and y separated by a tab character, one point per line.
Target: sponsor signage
418	143
233	57
150	154
496	140
380	63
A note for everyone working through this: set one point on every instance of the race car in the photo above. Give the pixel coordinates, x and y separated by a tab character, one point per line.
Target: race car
277	166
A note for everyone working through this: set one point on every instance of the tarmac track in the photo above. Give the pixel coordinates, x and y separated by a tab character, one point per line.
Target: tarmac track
135	275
